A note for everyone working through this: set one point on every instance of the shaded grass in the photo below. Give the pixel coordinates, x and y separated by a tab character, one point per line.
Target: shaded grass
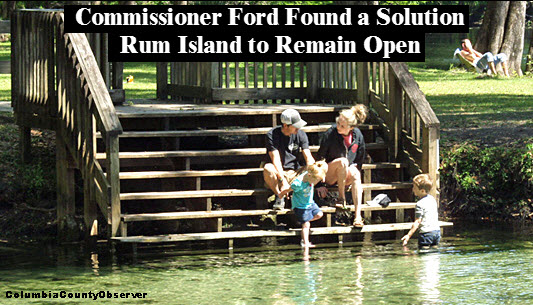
5	87
5	50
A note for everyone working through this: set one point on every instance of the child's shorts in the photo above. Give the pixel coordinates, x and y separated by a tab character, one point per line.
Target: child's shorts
305	215
431	238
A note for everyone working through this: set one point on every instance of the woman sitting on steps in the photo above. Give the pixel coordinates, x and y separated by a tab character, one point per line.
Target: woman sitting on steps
343	148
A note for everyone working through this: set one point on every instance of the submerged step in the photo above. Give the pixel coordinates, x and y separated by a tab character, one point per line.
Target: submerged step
269	233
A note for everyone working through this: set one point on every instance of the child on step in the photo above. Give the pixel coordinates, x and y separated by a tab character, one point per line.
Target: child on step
305	208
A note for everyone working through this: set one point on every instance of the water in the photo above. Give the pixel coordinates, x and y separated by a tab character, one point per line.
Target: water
486	266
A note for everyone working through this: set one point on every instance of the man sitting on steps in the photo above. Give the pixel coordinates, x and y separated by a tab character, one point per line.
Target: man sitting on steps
283	144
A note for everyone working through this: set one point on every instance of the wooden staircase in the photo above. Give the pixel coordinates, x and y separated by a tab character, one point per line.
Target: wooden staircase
216	178
170	170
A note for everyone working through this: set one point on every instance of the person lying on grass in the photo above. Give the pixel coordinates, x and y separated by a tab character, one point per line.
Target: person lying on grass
303	204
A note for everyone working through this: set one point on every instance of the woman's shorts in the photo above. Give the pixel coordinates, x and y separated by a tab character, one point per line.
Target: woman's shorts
305	215
430	238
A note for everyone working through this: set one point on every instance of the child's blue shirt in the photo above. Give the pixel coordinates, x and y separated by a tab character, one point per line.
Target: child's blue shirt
302	198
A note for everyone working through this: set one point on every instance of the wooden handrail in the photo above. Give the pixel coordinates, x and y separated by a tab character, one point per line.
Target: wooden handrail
412	128
105	110
417	97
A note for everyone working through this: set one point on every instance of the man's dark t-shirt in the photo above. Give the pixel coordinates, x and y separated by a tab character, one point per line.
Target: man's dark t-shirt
288	147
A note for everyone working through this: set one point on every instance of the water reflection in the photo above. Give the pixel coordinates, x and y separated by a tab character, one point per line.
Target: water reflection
358	293
95	264
307	284
429	277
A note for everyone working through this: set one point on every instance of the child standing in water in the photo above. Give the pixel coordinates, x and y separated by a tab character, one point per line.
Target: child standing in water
426	214
303	204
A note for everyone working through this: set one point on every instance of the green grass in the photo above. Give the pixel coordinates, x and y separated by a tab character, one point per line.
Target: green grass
463	99
144	85
5	50
5	87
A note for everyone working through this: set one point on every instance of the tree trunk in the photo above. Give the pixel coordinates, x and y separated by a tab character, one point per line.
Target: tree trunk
490	35
127	2
513	40
503	31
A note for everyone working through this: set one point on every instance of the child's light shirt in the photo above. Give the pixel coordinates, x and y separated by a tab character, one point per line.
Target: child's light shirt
302	198
426	208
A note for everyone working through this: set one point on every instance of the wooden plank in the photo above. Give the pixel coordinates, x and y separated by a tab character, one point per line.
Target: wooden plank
192	194
242	192
313	82
162	80
189	91
224	132
154	110
223	94
396	114
213	153
336	94
113	169
386	186
228	172
184	174
268	233
240	213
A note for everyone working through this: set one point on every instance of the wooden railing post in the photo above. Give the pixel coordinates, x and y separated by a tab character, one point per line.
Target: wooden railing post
113	170
363	83
66	203
313	81
162	80
395	106
430	156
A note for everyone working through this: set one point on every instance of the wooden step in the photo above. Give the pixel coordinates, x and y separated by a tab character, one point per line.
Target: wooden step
151	109
269	233
192	194
223	132
241	192
212	153
240	213
229	172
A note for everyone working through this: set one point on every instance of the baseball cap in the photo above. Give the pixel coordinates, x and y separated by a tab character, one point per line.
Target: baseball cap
292	117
